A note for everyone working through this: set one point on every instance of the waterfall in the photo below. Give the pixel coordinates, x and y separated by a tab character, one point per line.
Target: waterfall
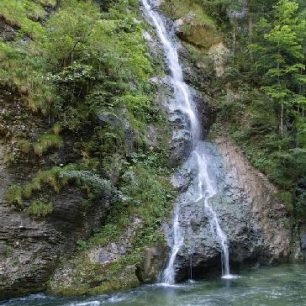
206	189
183	98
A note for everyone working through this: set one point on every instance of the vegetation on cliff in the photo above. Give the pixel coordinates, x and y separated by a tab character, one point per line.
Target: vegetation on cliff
78	73
265	103
79	110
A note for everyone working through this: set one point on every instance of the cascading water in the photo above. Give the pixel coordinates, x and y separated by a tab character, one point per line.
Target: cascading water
205	187
183	101
168	275
206	191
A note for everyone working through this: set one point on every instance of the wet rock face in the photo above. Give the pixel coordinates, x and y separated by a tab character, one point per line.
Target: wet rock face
30	249
180	145
248	211
303	242
260	196
302	245
181	141
152	263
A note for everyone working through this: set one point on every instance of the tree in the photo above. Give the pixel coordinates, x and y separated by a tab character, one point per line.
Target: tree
280	57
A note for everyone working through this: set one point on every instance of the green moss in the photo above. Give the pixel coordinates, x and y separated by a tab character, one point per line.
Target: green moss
86	277
48	177
286	198
181	8
27	190
57	128
199	29
57	178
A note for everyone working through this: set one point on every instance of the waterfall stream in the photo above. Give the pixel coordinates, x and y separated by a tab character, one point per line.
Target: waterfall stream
206	188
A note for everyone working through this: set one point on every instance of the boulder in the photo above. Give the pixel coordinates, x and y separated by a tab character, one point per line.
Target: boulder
152	262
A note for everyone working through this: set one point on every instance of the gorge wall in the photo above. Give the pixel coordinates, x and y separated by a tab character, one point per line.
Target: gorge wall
117	241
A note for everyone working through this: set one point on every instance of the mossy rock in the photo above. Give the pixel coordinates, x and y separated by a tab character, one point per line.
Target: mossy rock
193	24
83	277
199	35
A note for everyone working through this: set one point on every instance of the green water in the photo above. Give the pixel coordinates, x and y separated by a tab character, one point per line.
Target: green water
280	286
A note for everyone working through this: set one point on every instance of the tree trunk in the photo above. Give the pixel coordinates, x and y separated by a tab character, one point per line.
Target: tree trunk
281	126
235	26
250	21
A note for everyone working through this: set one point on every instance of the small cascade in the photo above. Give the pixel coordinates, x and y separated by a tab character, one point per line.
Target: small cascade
205	187
168	276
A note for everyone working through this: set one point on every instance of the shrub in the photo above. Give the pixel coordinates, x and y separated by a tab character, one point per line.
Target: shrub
91	182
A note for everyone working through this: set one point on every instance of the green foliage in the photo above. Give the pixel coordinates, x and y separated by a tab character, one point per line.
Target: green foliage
40	209
139	179
87	179
281	58
266	112
55	178
144	195
300	202
180	8
56	128
82	245
286	198
69	32
14	196
85	64
22	72
24	146
47	141
24	15
48	177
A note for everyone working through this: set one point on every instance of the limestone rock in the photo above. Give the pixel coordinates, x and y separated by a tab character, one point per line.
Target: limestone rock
152	263
249	213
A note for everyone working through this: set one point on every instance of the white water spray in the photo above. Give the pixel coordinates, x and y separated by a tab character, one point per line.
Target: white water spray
206	190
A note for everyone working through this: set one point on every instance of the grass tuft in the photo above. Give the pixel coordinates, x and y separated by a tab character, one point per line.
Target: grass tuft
40	209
